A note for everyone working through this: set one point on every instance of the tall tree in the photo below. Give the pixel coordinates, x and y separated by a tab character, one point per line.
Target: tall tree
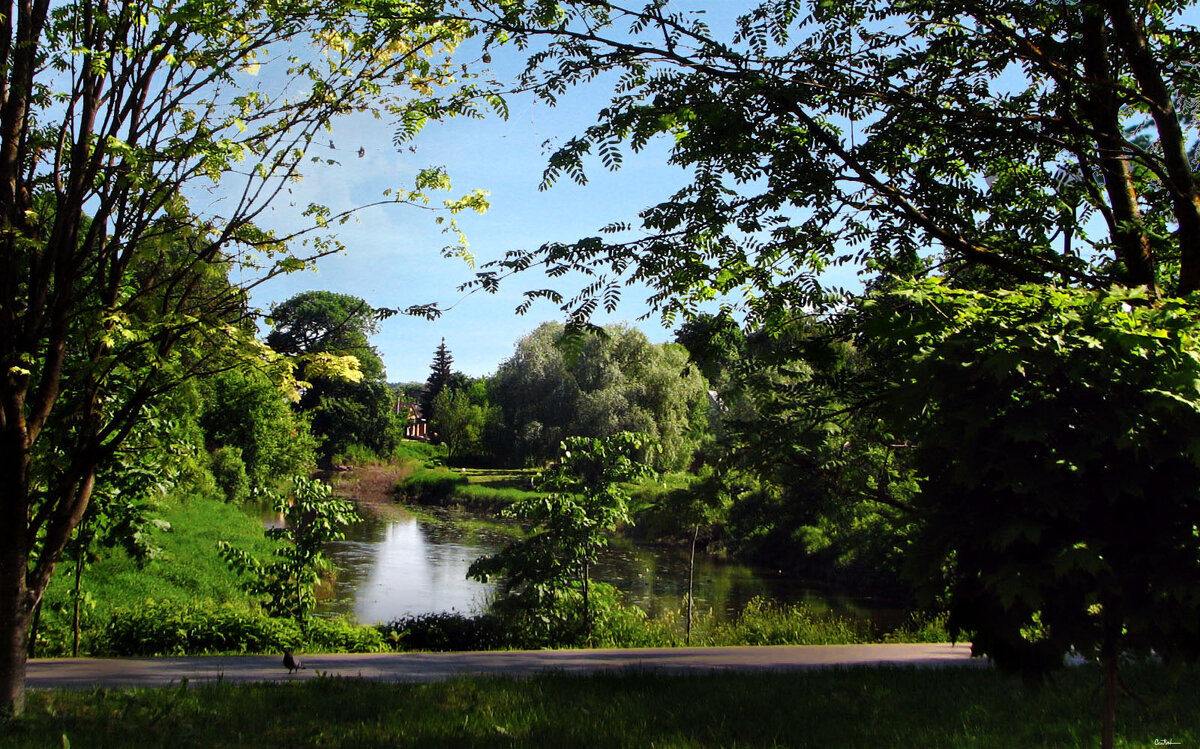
1038	141
343	388
114	120
441	370
610	382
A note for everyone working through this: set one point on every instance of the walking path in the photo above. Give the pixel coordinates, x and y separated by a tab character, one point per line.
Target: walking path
62	673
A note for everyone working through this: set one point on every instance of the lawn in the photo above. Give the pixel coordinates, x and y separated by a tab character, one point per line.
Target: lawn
852	708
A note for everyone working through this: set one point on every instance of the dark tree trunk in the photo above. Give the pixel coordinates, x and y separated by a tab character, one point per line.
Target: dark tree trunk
1102	107
687	638
16	614
78	590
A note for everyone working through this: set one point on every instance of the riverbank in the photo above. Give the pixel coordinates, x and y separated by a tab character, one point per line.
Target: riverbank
842	707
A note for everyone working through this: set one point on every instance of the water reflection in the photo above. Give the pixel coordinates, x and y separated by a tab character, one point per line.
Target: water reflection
399	565
402	566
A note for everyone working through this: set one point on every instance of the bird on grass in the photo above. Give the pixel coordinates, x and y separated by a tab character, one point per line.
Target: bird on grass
291	662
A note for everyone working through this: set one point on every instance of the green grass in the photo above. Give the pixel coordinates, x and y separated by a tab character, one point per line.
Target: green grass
468	488
851	708
188	570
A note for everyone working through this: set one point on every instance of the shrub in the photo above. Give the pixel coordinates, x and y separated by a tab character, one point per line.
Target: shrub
764	622
229	472
205	629
172	629
447	632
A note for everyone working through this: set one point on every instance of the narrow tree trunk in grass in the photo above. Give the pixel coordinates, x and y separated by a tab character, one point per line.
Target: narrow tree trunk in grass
1108	732
687	638
75	611
33	630
587	612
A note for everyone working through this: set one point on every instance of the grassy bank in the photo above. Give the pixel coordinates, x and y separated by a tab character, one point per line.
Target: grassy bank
185	570
856	707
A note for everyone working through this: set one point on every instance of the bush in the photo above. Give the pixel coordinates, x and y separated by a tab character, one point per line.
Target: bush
417	450
356	455
764	622
173	629
341	636
446	632
229	472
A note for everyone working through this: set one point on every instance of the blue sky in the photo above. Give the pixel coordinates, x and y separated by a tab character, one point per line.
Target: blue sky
393	256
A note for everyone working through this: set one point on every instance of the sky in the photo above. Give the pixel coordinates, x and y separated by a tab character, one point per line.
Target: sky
393	257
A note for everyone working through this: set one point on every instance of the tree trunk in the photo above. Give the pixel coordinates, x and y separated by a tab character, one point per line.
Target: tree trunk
75	613
687	638
587	612
14	631
1102	106
16	613
1181	182
33	630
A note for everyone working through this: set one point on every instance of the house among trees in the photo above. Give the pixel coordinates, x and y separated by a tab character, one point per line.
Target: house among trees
417	427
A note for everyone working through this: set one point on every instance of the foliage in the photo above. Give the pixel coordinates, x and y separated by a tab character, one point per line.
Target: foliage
143	142
344	394
178	563
243	409
545	576
188	629
229	471
183	629
311	519
1025	142
448	631
439	378
803	474
430	485
1055	433
459	420
606	383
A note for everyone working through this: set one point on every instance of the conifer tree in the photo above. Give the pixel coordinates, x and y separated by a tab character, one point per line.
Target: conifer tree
438	378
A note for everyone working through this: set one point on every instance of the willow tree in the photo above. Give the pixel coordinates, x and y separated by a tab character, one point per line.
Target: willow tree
115	120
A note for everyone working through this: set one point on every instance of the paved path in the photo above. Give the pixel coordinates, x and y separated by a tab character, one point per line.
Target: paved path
54	673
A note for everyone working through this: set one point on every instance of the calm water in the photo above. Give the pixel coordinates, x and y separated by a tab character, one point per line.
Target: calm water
399	565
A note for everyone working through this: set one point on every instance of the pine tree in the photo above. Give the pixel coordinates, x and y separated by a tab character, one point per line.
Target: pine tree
438	377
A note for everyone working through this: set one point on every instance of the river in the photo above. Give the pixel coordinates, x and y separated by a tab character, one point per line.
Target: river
394	564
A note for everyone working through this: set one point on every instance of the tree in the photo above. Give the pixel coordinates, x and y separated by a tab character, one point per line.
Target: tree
1055	433
345	395
460	420
243	410
546	573
1001	143
439	378
114	121
1029	140
608	383
313	518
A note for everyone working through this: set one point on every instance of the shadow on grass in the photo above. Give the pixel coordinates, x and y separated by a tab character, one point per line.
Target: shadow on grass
853	707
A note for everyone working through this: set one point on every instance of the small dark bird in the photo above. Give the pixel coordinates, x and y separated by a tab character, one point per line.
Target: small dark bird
291	662
362	151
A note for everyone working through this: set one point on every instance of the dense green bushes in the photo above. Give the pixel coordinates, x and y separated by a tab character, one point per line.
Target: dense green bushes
173	629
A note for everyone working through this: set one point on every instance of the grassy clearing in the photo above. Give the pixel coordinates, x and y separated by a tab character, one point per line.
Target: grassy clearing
853	707
187	571
469	488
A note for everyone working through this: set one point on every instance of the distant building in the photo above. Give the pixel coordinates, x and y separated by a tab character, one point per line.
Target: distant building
417	427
